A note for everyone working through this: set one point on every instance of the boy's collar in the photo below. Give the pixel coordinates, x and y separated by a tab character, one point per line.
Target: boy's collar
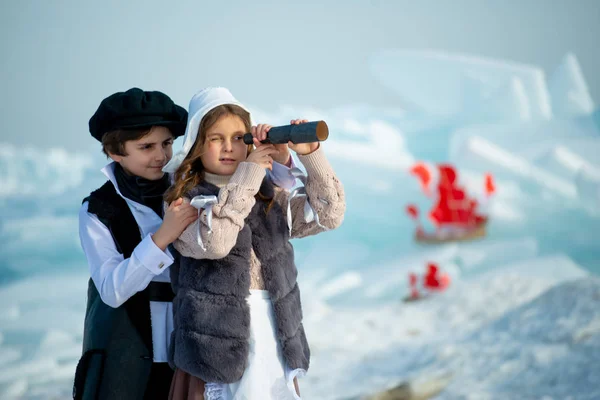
109	172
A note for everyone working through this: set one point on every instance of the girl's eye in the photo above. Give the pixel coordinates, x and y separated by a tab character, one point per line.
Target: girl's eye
215	139
238	137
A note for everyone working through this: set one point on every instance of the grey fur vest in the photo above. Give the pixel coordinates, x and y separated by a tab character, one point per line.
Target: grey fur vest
211	315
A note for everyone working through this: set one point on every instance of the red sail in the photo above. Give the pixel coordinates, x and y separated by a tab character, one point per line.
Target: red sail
453	205
434	280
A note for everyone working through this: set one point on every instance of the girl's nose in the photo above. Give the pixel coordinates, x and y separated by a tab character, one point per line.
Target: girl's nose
227	145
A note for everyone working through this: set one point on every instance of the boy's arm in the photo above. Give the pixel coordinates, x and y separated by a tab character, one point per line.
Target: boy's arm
235	201
117	278
325	193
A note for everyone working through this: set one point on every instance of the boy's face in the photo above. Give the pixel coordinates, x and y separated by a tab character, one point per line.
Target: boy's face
148	155
224	146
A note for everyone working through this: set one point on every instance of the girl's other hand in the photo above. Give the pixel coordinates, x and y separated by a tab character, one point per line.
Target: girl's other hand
302	148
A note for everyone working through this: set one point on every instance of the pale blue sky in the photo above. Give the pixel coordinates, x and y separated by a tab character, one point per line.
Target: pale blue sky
61	57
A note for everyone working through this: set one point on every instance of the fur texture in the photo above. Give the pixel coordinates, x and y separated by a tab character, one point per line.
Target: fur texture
211	315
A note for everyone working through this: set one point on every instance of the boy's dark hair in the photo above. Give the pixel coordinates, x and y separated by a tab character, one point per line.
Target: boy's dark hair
114	141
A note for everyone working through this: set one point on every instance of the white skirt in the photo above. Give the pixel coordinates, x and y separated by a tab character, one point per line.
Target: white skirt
266	377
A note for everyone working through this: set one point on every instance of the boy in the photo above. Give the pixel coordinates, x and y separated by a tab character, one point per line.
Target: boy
125	237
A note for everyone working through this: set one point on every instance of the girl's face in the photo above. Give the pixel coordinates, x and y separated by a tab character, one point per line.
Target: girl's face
148	155
224	146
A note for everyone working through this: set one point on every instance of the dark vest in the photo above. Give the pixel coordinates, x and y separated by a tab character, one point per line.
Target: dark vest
211	315
117	342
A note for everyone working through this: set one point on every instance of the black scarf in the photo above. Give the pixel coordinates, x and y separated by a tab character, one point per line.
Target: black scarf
141	190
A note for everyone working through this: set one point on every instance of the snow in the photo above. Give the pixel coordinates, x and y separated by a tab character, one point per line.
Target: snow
568	89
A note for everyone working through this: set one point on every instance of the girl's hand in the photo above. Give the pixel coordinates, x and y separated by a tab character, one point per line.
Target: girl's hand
302	148
260	132
177	217
262	155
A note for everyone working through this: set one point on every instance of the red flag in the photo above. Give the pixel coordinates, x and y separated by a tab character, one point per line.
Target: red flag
412	211
490	186
421	171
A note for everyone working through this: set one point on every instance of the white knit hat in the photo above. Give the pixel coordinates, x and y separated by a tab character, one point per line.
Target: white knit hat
202	102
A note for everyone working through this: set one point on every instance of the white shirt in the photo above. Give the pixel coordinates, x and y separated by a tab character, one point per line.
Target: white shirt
117	278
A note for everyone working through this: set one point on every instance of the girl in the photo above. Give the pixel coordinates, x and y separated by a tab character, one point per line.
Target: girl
238	330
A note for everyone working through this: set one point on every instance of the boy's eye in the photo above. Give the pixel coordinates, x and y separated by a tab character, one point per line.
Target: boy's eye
169	143
146	147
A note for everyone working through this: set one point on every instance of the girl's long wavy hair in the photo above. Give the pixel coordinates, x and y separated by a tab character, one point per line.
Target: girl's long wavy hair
191	171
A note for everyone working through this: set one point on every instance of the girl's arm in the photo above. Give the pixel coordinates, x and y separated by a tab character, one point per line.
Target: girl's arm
115	277
325	193
235	201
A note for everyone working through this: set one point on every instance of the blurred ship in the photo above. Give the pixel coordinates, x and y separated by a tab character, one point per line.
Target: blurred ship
433	281
455	214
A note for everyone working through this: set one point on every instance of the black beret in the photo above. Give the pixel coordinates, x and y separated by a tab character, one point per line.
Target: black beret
136	108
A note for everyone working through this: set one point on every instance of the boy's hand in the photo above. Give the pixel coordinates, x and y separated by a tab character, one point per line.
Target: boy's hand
262	155
283	154
177	217
302	148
